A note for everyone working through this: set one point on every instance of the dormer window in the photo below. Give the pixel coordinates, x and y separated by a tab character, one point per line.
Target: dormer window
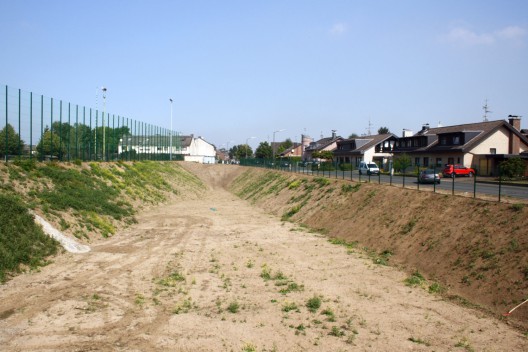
443	141
456	140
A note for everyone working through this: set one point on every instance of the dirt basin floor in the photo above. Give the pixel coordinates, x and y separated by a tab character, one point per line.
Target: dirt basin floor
217	274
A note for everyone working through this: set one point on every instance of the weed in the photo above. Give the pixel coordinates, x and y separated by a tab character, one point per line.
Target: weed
419	341
250	263
321	181
249	347
464	343
330	316
289	306
265	272
408	226
435	287
294	184
233	307
140	299
335	331
171	280
416	279
348	188
313	304
517	207
183	307
291	287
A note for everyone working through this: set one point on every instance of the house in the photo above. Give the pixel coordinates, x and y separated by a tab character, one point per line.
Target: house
377	148
293	151
481	145
197	150
323	144
187	148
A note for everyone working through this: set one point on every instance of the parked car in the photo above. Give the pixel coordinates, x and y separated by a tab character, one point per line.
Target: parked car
458	170
369	168
429	176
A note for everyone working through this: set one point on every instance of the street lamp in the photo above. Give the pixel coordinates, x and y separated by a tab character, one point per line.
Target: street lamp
170	133
104	106
273	144
247	145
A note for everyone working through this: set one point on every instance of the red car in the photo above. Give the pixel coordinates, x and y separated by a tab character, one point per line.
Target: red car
457	170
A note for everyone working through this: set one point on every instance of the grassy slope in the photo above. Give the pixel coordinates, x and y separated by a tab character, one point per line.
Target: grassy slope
473	251
85	200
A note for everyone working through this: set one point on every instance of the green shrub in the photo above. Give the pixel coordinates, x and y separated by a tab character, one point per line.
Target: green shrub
22	242
313	304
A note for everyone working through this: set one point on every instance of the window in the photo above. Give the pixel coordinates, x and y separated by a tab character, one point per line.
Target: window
438	161
426	161
450	161
443	140
417	161
456	140
493	150
458	160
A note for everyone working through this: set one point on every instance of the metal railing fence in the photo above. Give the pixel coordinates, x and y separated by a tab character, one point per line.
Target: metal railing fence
35	126
490	188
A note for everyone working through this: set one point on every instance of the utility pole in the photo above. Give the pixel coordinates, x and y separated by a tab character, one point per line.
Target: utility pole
170	134
104	134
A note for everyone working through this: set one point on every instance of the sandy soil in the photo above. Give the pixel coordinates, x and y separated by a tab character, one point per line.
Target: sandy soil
189	277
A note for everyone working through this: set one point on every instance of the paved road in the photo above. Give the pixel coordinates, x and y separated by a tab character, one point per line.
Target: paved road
457	185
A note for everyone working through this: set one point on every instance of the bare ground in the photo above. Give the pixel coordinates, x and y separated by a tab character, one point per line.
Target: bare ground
189	277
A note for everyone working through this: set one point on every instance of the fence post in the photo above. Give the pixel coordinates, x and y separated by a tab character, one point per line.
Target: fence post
6	111
453	183
475	185
500	182
418	177
30	125
19	123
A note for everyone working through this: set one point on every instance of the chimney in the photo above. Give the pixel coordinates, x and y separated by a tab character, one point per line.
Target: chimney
425	127
407	133
515	121
334	134
515	143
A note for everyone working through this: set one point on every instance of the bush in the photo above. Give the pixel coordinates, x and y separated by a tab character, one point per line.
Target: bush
513	167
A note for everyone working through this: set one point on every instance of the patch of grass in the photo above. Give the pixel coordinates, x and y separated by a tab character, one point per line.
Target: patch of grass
294	184
464	343
22	242
335	331
291	287
349	188
249	347
139	300
382	258
233	307
313	304
321	181
435	287
408	227
416	279
183	307
330	316
289	306
419	341
265	273
517	207
171	280
294	210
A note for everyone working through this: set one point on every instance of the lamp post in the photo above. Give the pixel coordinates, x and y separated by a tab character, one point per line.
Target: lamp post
273	144
247	145
170	133
104	136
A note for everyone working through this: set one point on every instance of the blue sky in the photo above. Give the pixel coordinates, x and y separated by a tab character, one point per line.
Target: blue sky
238	69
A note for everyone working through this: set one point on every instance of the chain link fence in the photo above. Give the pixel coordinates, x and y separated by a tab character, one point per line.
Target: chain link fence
44	128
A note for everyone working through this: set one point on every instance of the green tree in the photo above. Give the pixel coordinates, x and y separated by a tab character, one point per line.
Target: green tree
14	144
513	167
287	144
402	162
50	145
264	151
383	130
323	154
243	151
353	135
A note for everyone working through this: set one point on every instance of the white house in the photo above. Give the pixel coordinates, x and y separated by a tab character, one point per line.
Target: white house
197	150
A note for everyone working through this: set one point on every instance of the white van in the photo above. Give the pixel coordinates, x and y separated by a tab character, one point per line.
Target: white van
369	168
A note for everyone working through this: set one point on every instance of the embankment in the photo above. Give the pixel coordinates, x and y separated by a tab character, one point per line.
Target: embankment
474	251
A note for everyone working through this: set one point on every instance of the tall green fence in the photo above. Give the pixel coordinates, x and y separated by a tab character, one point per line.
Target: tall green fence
35	126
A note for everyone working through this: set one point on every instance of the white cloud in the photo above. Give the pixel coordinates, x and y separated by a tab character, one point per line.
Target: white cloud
338	29
464	36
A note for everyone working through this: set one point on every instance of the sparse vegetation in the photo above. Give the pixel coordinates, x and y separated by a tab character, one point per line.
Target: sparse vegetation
313	304
416	279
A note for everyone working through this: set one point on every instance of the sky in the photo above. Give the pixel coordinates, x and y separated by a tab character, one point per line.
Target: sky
247	68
